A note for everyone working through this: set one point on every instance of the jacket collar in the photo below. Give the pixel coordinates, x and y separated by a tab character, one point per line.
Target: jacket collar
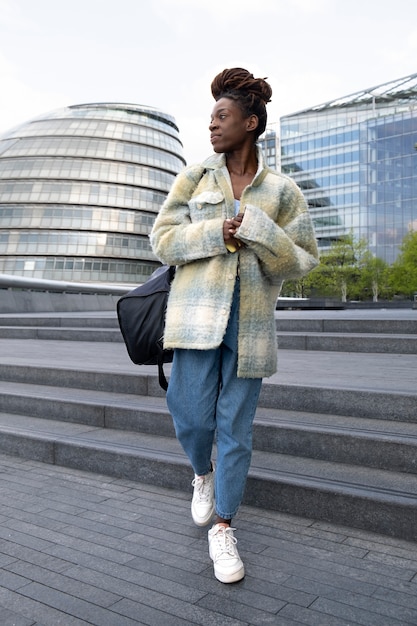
218	162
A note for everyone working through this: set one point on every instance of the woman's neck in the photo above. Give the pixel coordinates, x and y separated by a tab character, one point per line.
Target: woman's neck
243	163
242	169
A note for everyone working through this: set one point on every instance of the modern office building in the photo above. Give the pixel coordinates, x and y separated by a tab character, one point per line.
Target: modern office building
269	143
79	191
355	159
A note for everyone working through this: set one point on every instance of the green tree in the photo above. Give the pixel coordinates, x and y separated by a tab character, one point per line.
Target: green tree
321	280
404	269
349	270
295	288
343	263
374	277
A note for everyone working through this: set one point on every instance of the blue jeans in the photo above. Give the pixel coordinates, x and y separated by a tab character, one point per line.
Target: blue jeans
206	398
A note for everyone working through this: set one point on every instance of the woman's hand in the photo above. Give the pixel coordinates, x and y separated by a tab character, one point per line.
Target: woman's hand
230	227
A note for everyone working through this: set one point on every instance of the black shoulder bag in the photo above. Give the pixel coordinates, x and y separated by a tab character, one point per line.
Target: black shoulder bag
141	315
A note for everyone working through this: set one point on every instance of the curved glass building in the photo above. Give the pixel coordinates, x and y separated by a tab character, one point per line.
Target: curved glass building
355	159
79	191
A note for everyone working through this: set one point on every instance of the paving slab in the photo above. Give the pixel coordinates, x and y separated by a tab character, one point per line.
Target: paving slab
78	548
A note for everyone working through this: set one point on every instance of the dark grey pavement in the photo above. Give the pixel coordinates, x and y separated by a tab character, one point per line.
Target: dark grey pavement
82	548
79	548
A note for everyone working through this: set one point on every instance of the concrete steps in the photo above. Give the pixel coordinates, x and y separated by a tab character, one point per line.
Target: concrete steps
348	335
383	444
58	333
378	500
335	342
339	455
336	335
358	342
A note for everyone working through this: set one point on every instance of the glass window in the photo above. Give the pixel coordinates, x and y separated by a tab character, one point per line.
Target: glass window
86	182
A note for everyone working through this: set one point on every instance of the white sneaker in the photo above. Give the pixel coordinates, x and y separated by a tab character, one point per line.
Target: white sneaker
228	567
202	504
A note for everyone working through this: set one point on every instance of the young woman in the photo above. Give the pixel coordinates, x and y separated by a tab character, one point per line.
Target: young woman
235	229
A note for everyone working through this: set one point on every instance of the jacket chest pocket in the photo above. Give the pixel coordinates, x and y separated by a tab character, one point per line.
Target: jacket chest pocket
206	205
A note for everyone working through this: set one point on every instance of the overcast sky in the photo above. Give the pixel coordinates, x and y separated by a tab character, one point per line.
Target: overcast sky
164	53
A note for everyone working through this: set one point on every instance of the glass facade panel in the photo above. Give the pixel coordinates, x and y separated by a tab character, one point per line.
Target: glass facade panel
88	269
356	161
79	191
76	217
85	169
75	243
269	143
96	148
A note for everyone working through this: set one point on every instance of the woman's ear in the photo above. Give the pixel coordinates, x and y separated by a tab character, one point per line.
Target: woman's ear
252	122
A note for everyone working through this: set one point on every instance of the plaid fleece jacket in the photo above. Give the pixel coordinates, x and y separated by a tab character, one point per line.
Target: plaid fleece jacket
279	244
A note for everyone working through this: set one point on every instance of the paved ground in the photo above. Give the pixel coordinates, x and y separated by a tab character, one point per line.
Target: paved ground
79	548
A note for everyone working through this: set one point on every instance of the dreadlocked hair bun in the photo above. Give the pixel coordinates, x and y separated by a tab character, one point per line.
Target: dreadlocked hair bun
250	94
238	79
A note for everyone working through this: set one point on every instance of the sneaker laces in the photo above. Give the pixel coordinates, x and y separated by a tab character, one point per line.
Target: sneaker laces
225	541
202	488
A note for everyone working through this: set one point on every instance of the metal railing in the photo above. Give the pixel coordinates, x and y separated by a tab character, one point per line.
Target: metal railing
8	281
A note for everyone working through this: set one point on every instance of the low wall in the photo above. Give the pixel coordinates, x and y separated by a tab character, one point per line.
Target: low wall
27	301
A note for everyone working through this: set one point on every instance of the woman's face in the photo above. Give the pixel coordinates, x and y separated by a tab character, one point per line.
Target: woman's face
229	128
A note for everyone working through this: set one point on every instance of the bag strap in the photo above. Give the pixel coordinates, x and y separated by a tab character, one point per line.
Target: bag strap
161	374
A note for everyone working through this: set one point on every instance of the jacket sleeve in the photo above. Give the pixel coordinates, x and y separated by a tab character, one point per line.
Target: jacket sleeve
174	238
286	248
